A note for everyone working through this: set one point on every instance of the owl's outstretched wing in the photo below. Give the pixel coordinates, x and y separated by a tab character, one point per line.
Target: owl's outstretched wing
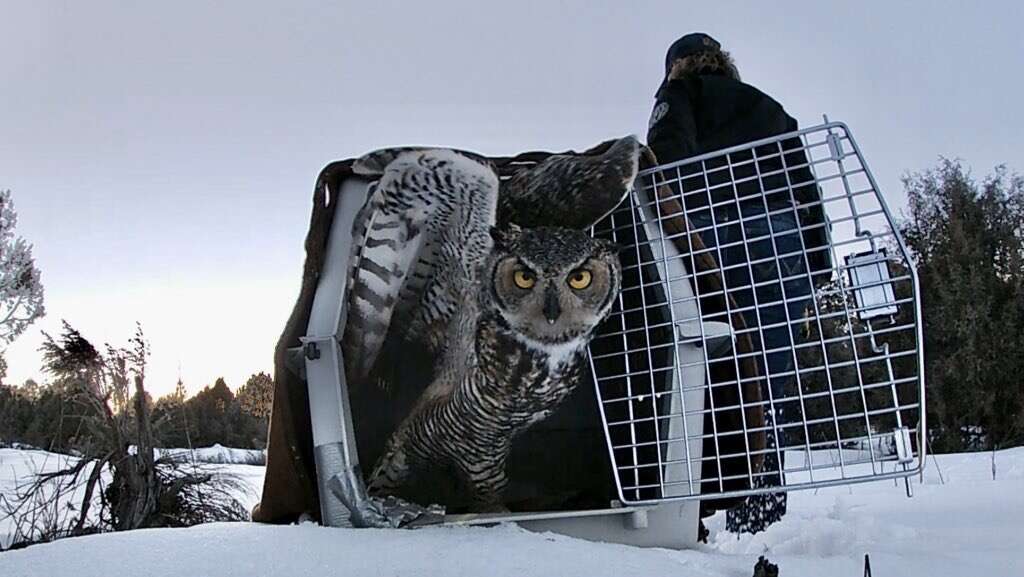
571	190
418	244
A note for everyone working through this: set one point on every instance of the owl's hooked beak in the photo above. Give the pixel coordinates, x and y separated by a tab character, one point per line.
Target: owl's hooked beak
552	310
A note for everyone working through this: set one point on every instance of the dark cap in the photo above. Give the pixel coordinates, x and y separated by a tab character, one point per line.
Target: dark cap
690	44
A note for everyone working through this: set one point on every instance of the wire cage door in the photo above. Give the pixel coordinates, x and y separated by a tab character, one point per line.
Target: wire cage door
768	334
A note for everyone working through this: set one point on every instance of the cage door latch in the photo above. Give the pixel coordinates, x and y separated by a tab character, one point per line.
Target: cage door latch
904	448
713	336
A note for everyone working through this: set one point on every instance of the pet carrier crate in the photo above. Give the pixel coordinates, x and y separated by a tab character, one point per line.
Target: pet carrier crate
767	338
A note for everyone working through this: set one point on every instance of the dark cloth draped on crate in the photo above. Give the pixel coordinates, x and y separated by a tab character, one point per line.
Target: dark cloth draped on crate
572	471
290	484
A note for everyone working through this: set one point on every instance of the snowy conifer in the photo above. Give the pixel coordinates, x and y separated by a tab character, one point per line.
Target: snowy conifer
21	291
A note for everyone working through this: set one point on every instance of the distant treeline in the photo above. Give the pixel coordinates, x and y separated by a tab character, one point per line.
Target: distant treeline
48	415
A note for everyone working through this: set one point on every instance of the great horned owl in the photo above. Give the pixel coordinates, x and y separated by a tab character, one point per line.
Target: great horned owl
507	324
515	352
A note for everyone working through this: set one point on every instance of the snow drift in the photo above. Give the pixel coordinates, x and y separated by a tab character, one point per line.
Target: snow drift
964	524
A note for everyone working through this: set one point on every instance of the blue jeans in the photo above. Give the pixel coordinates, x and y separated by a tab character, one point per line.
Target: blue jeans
766	251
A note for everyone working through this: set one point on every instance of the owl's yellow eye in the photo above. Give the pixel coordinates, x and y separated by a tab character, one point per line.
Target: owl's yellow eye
524	279
579	279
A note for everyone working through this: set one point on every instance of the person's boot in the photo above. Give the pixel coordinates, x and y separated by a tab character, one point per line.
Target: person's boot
764	568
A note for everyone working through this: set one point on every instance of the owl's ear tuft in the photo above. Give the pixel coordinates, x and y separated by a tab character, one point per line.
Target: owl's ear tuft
609	246
503	238
497	236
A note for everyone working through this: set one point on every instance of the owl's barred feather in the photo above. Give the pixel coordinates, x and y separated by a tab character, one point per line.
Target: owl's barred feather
405	273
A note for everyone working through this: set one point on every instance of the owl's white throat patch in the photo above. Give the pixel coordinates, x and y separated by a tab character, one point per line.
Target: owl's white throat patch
558	354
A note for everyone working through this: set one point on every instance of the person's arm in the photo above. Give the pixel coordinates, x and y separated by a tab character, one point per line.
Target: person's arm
811	211
672	131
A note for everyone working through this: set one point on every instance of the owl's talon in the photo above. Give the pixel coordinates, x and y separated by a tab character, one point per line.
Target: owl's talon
392	512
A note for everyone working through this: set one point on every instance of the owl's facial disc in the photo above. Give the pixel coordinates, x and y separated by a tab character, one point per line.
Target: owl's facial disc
553	302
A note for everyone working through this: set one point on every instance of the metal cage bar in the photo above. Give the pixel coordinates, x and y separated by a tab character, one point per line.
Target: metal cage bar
822	383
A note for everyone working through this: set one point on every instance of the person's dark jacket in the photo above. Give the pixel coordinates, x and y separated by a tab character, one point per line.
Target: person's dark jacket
711	112
701	113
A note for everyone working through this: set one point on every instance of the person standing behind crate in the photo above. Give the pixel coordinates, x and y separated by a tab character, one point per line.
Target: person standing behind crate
703	106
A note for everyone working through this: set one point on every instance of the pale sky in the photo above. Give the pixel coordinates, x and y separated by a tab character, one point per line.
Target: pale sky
162	155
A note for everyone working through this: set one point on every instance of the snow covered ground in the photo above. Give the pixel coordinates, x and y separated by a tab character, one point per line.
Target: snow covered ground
19	467
219	454
969	526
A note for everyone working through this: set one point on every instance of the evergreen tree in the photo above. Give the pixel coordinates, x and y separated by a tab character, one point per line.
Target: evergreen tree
967	240
210	409
21	291
179	393
257	395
